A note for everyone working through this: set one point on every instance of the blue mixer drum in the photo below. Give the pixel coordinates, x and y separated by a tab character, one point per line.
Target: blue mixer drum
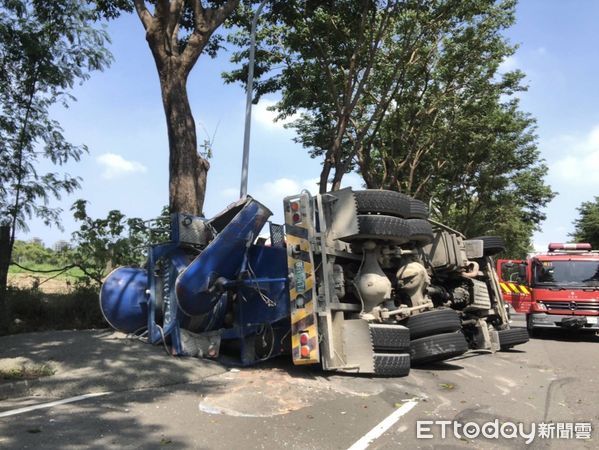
124	299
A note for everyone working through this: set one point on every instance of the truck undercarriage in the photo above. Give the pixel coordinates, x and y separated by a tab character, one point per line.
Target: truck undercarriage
356	281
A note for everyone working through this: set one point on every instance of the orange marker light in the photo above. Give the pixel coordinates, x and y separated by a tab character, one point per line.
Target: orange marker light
305	351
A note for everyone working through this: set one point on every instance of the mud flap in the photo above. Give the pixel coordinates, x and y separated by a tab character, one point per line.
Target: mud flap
205	345
358	349
358	353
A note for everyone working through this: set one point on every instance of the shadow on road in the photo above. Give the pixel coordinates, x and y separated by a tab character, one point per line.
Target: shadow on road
562	335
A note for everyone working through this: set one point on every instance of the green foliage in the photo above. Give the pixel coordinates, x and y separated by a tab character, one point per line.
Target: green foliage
103	244
31	252
410	95
586	227
32	310
46	47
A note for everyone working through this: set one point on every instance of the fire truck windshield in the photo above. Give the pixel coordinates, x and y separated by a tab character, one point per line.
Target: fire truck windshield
571	273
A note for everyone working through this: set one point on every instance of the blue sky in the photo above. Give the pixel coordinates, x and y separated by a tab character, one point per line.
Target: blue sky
119	116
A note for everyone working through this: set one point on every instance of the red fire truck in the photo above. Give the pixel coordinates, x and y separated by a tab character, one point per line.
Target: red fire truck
557	289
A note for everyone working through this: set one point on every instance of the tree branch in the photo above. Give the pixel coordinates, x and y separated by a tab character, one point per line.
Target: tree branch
172	28
143	13
205	22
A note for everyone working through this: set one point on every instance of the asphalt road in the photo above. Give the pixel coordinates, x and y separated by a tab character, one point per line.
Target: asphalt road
549	379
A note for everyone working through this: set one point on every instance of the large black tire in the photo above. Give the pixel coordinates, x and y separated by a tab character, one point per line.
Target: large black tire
492	245
418	209
421	231
391	203
433	322
511	337
385	228
390	338
374	201
437	348
392	364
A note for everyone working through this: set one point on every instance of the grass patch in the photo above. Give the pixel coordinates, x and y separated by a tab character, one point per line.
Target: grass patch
26	373
74	273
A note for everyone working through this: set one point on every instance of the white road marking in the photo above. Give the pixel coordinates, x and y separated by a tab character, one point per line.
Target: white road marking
383	426
14	412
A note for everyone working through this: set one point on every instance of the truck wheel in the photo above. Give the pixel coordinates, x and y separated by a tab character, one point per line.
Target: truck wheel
392	364
512	336
418	209
491	244
433	322
437	348
392	338
374	201
381	227
421	231
532	332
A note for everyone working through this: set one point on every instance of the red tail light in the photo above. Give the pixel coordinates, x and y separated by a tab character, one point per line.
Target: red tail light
304	338
305	344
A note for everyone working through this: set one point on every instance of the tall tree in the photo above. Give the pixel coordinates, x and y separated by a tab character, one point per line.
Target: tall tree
45	47
456	136
177	32
586	227
324	57
409	94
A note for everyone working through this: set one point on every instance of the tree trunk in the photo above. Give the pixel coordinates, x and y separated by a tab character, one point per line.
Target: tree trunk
5	255
187	169
340	170
324	174
333	155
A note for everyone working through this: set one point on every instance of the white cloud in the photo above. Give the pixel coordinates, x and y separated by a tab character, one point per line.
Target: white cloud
272	193
353	180
115	166
581	163
508	64
266	118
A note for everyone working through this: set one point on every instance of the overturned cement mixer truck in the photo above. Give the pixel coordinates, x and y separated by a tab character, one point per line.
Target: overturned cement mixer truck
356	281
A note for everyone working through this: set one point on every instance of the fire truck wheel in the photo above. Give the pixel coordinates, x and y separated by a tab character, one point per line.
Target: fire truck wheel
374	201
491	244
532	331
386	228
433	322
512	336
392	364
437	348
421	231
389	338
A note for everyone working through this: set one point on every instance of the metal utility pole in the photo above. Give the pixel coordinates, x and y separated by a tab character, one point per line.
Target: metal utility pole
248	104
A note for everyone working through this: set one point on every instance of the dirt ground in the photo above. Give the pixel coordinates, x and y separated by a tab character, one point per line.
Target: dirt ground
56	285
